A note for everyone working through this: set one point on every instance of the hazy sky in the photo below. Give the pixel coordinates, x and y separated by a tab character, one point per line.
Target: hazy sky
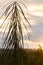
35	8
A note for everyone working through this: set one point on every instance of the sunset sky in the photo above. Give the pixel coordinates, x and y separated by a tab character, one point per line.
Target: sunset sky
35	10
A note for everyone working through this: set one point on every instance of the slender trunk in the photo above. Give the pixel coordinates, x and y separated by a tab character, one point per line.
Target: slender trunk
15	52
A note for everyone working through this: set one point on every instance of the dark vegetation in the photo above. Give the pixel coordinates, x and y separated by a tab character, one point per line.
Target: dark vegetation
30	57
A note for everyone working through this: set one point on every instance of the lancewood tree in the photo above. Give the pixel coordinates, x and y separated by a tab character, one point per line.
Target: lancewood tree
14	37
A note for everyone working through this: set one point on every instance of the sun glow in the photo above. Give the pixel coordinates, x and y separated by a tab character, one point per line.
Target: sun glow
41	45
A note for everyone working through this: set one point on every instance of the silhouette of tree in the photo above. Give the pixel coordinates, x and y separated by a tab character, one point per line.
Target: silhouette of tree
13	42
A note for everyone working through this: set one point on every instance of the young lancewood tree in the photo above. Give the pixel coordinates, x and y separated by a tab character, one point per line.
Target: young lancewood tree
14	37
